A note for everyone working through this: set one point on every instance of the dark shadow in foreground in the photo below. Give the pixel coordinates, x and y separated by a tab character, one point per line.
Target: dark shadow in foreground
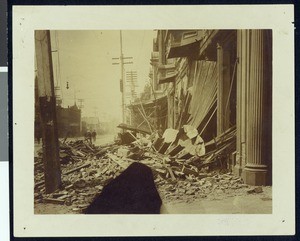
132	192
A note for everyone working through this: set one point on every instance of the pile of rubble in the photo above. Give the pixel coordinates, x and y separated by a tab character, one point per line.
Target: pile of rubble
178	160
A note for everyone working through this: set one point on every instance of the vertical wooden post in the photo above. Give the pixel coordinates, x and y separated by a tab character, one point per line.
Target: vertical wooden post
243	53
122	79
52	172
223	86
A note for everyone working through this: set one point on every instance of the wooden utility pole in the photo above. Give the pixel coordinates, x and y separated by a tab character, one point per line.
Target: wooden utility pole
47	107
122	78
122	82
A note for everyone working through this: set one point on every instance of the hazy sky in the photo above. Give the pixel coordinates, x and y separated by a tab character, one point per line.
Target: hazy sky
84	59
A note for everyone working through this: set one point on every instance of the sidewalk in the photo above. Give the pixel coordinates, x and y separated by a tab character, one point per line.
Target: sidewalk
244	204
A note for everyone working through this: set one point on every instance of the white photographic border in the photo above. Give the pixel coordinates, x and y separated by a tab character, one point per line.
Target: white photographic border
279	18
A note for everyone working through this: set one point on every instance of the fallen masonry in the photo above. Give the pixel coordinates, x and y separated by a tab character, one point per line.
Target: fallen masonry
184	167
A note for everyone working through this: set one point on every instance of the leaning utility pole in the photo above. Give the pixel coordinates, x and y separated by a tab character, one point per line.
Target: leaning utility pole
47	107
122	82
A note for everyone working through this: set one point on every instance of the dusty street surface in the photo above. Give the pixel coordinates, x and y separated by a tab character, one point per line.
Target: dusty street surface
241	203
85	175
104	139
235	203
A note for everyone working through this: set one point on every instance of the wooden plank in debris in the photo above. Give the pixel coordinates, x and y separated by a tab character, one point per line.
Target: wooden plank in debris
90	148
132	136
153	154
171	173
65	173
116	160
102	151
228	132
184	110
77	168
63	197
164	147
80	153
178	148
39	183
158	143
54	201
188	171
185	155
162	171
143	114
57	195
218	152
132	128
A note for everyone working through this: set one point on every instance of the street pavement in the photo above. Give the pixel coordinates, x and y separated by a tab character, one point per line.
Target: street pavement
245	204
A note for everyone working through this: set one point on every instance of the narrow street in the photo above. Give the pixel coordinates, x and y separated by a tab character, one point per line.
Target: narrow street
104	139
192	117
241	203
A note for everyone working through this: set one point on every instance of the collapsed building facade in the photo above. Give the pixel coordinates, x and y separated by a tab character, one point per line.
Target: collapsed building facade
216	81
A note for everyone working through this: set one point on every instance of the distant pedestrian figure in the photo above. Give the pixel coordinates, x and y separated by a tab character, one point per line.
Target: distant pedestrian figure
94	135
88	137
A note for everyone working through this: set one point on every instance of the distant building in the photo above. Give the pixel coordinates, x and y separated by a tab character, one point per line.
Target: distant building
68	121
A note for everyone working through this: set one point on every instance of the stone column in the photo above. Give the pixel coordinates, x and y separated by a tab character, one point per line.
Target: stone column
259	107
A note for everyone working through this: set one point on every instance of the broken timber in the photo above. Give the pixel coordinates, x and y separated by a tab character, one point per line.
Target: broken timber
132	128
65	173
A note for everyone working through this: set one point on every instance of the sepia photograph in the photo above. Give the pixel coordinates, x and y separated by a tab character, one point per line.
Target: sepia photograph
150	122
149	125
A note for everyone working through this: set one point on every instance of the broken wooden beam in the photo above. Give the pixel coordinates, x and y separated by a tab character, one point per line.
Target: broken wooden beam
76	169
54	201
171	173
126	137
116	160
178	148
132	128
164	147
188	171
158	143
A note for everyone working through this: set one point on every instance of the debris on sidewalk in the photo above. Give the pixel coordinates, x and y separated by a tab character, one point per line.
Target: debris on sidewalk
179	159
255	190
